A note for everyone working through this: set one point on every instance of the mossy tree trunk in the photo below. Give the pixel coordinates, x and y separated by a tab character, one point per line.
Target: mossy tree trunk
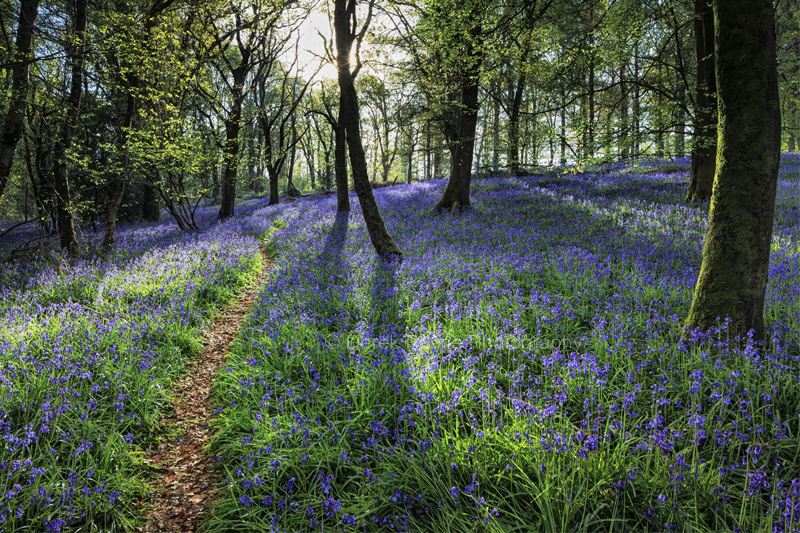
344	23
733	276
704	148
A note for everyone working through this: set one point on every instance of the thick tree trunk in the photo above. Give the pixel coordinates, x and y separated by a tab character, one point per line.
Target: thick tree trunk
233	125
274	190
76	57
704	148
15	117
733	275
349	120
231	155
456	195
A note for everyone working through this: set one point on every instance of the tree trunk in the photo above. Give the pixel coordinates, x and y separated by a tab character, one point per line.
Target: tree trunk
495	133
704	148
637	105
590	148
340	168
110	236
513	125
233	125
456	195
563	133
15	117
231	156
623	117
437	160
344	11
733	276
151	209
680	134
76	57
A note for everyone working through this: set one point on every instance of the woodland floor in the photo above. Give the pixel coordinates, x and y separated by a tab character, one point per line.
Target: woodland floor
188	483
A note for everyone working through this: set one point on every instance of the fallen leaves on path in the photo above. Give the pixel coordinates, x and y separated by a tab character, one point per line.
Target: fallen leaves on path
188	486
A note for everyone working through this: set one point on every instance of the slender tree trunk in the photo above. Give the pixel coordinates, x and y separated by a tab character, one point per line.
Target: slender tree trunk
513	125
590	148
344	11
428	151
637	106
76	58
437	160
110	236
623	117
495	134
704	148
291	190
680	135
15	117
733	276
456	195
563	132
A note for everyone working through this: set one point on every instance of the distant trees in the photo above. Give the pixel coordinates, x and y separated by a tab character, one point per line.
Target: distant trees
733	276
185	103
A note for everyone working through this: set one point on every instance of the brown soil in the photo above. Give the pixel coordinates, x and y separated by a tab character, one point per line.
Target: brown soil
188	483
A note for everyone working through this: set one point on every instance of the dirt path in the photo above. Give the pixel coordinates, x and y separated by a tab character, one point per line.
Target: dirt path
187	486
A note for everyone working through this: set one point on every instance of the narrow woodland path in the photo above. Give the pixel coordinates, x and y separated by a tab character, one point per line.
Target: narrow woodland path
187	486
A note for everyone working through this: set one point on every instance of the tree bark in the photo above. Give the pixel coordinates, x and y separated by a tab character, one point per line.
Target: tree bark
151	209
340	168
15	117
513	125
733	276
704	149
110	236
233	125
344	12
456	195
76	57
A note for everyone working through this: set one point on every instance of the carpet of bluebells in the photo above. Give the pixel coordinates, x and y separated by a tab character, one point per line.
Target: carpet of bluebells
521	370
88	348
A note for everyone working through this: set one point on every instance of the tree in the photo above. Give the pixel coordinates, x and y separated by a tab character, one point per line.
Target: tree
704	147
277	99
469	47
125	57
733	275
15	117
238	33
345	28
76	57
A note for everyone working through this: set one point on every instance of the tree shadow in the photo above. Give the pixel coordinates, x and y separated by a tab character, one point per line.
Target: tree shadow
384	305
332	283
